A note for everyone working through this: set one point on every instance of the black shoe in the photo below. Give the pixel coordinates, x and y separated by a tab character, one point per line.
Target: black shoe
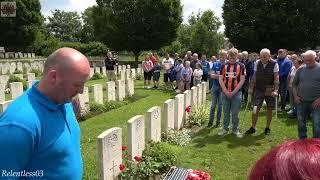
209	126
250	131
154	87
267	131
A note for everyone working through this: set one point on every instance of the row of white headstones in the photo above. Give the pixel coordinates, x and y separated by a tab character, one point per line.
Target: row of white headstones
175	116
124	71
11	66
16	55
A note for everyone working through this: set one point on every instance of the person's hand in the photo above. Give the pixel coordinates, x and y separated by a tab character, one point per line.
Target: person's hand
233	93
297	99
316	104
274	94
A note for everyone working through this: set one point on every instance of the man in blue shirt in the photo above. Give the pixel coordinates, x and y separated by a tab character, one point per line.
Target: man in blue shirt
284	69
205	67
40	136
216	89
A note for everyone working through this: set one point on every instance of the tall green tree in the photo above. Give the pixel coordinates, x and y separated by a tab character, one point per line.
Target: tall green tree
87	34
65	26
137	25
252	25
18	33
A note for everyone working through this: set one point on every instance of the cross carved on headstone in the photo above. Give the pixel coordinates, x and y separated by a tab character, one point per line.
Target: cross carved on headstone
113	171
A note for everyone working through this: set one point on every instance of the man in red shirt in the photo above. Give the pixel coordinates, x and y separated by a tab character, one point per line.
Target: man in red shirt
152	58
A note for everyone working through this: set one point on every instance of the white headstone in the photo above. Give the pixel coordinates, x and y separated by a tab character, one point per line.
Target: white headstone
25	55
169	114
194	96
128	66
12	68
104	72
2	55
20	66
30	83
136	136
19	75
91	72
121	90
128	73
178	111
11	55
27	67
2	92
97	70
20	54
204	92
110	153
5	68
124	67
29	55
187	103
199	89
83	100
130	87
98	93
2	50
4	105
133	73
111	91
16	55
153	116
33	55
138	71
31	76
123	75
4	79
16	89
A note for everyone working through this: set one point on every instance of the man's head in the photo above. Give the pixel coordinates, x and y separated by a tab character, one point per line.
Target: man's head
223	54
65	73
187	63
240	56
203	57
213	59
309	58
245	55
265	55
109	54
282	53
150	54
189	53
233	55
195	56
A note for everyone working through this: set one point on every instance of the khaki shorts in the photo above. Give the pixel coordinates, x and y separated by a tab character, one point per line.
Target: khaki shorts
111	76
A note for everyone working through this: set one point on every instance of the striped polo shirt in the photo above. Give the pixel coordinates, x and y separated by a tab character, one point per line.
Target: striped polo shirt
231	74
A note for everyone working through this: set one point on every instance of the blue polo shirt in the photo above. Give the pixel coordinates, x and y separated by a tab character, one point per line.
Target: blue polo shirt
39	139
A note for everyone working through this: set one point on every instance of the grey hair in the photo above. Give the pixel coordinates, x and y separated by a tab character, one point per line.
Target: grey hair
310	53
245	53
265	50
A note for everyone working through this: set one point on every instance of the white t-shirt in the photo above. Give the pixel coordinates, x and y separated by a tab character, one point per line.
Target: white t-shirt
197	73
292	74
167	64
210	64
275	69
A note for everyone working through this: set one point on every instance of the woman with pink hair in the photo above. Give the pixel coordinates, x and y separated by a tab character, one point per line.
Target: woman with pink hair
294	160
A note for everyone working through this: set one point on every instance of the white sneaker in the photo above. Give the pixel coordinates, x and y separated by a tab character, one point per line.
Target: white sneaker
238	134
290	112
149	87
223	133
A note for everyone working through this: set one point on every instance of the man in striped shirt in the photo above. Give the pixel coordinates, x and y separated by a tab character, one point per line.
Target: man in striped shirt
231	79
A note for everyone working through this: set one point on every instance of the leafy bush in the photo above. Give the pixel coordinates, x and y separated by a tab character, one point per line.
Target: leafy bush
157	158
96	76
37	72
199	115
13	78
17	72
139	77
180	138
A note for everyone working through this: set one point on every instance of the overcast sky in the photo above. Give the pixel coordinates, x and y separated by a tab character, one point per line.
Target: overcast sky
189	6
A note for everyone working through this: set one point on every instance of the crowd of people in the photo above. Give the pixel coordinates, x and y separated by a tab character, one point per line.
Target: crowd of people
235	76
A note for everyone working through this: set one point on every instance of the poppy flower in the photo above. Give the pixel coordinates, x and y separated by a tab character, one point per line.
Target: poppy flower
188	109
121	167
124	148
137	158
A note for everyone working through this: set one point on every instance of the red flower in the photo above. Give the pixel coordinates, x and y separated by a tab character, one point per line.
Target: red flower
137	158
121	167
188	109
198	175
124	148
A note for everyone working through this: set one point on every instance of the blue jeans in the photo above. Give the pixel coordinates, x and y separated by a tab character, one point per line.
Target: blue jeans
283	93
304	109
216	100
232	105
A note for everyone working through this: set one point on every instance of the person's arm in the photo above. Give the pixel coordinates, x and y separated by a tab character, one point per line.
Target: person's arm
16	147
295	84
222	85
213	75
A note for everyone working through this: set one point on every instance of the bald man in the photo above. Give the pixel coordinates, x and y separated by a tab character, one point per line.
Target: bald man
40	136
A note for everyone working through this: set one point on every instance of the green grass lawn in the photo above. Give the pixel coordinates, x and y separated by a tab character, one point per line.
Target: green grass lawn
224	158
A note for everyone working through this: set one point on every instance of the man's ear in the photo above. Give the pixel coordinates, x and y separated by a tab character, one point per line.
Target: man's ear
52	76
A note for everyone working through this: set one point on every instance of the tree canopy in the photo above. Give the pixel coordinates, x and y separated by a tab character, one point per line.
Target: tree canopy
137	25
252	25
19	32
